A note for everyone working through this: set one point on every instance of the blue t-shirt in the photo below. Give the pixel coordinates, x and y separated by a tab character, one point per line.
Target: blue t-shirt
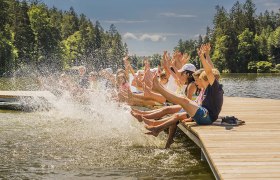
213	101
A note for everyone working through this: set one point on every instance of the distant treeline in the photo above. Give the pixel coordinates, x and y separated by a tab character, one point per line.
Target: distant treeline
33	35
241	40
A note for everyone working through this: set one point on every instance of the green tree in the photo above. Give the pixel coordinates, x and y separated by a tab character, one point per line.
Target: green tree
24	38
7	50
180	47
274	46
247	50
237	18
70	23
97	35
46	37
249	15
219	54
207	35
264	67
155	60
72	50
262	44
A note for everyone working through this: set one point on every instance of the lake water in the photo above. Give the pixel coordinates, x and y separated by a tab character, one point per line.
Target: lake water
103	141
252	85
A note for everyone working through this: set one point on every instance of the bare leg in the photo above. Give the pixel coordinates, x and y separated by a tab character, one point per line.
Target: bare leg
164	111
140	102
137	116
145	112
155	130
152	122
171	134
189	106
155	96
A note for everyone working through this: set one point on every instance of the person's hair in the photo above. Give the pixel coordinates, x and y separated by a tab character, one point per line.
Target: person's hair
197	73
122	71
190	77
215	72
162	75
120	76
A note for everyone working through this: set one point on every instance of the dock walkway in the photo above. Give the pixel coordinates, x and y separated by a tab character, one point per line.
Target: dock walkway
250	151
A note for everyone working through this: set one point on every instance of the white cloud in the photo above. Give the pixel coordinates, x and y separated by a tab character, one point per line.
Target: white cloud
153	37
145	37
177	15
129	36
123	21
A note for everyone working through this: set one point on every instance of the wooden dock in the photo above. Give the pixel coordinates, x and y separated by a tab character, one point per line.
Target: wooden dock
17	94
250	151
26	100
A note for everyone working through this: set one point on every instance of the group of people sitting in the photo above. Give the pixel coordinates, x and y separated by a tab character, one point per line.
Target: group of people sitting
195	95
175	91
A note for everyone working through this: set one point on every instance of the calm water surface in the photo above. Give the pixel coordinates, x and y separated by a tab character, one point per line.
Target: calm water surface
252	85
103	141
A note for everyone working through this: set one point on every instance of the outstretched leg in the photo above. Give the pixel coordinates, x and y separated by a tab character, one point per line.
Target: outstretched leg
137	116
163	111
188	105
155	130
153	122
145	112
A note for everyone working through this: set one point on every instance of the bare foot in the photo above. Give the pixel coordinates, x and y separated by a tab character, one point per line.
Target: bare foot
186	120
156	85
137	111
137	116
153	130
152	133
168	143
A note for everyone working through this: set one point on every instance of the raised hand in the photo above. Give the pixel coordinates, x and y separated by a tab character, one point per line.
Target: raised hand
200	52
207	48
147	91
159	70
147	79
155	83
146	64
185	59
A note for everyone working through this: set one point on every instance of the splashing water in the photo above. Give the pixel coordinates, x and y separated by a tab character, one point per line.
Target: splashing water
97	140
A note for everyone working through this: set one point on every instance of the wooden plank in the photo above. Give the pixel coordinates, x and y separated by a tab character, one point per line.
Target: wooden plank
250	151
13	94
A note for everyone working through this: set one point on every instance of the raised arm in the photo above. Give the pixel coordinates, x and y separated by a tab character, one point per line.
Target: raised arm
128	67
165	63
207	67
206	49
185	59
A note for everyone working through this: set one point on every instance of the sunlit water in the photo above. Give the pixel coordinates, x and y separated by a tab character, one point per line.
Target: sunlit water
97	141
102	140
252	85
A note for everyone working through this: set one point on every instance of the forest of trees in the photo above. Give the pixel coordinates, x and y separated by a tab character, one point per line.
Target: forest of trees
35	36
241	40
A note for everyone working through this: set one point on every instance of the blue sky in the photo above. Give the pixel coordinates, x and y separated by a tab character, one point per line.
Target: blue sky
152	26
